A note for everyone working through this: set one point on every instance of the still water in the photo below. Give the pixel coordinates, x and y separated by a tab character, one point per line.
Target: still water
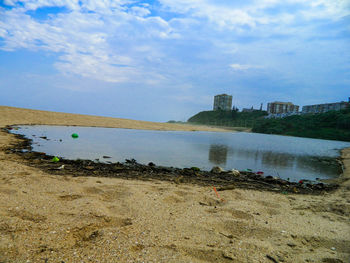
283	156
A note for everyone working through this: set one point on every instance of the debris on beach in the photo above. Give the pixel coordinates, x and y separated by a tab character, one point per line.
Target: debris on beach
131	169
235	172
75	136
216	170
55	159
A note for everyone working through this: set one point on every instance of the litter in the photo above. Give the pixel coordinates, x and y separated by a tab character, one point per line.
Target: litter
217	194
75	136
55	159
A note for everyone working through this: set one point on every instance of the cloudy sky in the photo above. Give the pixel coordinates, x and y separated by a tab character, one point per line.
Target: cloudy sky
159	60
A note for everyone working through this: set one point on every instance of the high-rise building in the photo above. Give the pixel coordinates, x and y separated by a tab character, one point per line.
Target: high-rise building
281	107
320	108
222	102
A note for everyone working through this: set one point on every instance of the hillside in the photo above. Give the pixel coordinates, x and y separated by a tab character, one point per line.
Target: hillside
333	125
227	118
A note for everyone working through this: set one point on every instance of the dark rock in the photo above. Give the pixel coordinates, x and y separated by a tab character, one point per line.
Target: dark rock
271	258
291	244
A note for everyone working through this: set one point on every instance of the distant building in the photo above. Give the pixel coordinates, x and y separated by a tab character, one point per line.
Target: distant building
320	108
222	102
281	107
248	110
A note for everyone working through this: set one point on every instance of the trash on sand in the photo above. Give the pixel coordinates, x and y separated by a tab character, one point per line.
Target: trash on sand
217	194
59	168
259	172
55	159
235	172
226	187
75	136
216	170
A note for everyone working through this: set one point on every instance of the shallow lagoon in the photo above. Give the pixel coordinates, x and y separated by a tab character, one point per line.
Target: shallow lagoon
283	156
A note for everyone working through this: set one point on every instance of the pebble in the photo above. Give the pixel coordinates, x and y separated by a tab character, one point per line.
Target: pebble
291	244
228	255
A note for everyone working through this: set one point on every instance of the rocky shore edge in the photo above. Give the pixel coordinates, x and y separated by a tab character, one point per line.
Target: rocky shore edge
132	170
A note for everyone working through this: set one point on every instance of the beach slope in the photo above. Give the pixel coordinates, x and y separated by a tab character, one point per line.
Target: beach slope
50	218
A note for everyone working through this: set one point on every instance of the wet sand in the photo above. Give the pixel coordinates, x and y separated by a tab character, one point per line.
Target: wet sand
62	218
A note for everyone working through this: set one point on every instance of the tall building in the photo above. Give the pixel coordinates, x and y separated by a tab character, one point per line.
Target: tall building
320	108
222	102
281	107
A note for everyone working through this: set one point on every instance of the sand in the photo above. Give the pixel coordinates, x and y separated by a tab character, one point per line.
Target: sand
49	218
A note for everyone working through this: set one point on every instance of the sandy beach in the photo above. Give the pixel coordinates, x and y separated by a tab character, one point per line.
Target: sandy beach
50	218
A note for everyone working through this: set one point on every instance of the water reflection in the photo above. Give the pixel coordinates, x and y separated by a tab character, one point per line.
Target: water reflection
281	159
270	162
218	154
288	157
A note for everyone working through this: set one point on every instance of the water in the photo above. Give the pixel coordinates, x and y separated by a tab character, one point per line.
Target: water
283	156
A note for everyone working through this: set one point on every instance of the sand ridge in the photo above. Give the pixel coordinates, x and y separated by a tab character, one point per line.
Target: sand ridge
48	218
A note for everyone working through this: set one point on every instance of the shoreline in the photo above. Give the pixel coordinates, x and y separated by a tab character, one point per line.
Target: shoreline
49	218
133	170
38	117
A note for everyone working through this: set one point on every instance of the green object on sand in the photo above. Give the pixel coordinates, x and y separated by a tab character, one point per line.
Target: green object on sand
55	159
75	135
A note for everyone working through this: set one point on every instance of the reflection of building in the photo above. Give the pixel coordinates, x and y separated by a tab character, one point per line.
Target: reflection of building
222	102
320	108
281	107
218	154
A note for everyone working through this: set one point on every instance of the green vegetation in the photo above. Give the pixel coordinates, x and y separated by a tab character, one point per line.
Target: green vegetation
172	121
228	118
332	125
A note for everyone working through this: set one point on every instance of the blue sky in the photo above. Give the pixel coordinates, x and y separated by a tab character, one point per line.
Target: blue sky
163	59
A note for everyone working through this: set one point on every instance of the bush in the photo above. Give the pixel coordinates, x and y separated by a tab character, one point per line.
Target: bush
333	125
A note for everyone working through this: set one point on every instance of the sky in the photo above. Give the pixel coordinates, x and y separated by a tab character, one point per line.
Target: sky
161	60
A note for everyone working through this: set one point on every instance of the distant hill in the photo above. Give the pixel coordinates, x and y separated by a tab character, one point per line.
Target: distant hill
228	118
332	125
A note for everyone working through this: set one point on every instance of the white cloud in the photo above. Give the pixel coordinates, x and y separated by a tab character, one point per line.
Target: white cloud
94	45
140	11
240	67
120	41
229	15
10	2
